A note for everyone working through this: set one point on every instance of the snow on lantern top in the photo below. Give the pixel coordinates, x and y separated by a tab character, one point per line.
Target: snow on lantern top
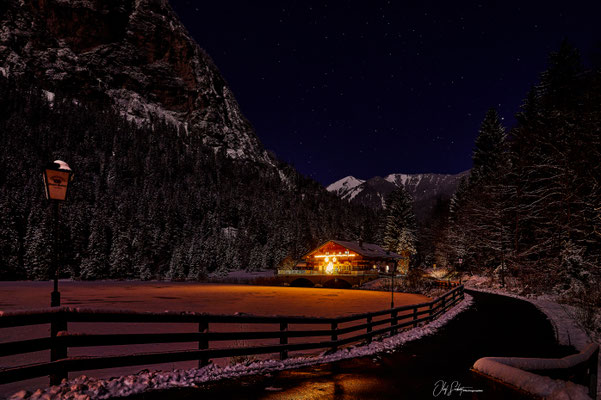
57	176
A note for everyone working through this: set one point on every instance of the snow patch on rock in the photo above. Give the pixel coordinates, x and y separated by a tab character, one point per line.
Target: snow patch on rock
49	96
238	153
285	180
353	193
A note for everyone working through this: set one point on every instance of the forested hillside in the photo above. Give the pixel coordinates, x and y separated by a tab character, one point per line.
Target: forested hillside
531	207
148	201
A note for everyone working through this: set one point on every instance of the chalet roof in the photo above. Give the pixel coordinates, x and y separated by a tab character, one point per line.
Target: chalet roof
366	249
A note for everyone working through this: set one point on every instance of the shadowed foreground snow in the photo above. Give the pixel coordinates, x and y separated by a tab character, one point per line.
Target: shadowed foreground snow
86	388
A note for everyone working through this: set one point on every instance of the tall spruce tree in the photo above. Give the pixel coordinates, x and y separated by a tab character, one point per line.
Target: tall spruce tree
399	223
490	148
479	235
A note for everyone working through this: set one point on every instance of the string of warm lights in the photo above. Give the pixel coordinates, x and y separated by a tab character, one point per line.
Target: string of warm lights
335	255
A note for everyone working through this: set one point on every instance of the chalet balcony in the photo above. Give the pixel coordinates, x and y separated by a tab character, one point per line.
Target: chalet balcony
317	272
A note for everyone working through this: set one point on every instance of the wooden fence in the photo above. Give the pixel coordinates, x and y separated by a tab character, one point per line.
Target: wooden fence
366	326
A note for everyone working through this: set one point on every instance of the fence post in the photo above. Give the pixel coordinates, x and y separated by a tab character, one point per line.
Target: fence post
369	328
454	293
58	351
444	303
334	335
283	339
394	322
415	317
593	372
203	342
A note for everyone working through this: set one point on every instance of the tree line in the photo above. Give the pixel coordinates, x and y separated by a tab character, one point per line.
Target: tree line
531	208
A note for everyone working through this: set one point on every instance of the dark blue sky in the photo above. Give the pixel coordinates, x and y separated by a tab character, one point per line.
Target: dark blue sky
371	88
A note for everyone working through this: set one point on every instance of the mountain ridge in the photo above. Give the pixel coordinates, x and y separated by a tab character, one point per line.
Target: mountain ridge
425	189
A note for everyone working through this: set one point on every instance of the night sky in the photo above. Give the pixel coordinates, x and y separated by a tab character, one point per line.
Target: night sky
372	88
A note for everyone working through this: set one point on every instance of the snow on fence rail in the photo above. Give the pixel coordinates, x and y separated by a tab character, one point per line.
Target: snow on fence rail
546	377
61	340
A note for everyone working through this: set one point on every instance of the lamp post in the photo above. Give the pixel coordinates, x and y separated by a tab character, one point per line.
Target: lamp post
57	176
392	273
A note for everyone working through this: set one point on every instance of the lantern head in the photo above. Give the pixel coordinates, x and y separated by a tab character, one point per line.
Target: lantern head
57	176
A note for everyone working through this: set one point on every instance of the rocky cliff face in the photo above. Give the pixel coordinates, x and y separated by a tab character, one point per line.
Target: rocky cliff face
135	54
425	189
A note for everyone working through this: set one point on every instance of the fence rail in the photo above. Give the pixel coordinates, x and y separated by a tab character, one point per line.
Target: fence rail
366	327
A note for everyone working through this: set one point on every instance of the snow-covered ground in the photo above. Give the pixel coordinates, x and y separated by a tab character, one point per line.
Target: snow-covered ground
199	297
85	388
162	296
568	330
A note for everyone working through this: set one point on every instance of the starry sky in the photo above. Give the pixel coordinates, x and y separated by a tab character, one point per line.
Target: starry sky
369	88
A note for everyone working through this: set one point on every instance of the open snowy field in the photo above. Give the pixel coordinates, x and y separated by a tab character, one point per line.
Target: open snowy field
198	297
161	296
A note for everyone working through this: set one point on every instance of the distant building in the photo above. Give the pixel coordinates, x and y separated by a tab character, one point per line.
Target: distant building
338	257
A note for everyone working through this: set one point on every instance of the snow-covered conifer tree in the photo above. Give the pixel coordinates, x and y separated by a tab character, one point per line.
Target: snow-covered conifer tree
399	223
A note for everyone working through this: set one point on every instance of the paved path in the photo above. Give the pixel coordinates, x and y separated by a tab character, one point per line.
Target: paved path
494	326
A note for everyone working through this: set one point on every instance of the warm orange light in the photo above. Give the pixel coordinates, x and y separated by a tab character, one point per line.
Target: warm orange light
330	268
57	176
341	255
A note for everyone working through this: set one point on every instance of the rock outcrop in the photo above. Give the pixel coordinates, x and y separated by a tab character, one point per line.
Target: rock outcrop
135	54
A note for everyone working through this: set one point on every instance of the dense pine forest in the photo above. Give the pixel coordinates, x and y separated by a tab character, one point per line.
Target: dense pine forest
531	208
148	202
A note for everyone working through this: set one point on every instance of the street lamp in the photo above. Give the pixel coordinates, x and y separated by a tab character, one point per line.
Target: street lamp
392	273
57	176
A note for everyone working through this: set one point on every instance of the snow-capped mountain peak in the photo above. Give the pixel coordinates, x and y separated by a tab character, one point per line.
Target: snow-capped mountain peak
345	186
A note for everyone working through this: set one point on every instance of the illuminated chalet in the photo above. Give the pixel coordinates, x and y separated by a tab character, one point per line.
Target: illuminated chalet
338	257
